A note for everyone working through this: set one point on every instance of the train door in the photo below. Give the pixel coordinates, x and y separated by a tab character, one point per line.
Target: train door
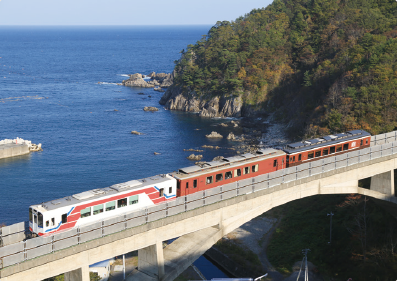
34	224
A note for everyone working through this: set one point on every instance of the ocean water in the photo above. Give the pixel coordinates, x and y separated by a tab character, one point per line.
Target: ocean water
49	94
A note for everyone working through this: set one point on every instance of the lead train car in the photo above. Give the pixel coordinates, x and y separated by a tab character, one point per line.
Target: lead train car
97	204
216	173
319	148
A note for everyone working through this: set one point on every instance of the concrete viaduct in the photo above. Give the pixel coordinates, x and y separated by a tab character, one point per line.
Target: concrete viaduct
198	229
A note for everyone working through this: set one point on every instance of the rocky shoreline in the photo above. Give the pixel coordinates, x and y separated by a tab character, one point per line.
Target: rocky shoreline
158	81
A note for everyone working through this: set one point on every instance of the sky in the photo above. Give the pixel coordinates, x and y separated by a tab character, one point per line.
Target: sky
123	12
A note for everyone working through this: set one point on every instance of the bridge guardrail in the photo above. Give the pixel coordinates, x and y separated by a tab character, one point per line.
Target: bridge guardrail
32	248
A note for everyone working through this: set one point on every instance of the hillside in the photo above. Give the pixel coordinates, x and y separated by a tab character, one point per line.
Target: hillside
321	66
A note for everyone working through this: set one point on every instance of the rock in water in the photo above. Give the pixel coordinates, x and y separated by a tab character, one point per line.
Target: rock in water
136	133
214	135
150	108
231	136
194	157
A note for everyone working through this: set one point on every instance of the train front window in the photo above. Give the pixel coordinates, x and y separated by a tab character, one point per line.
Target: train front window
346	146
85	212
122	202
31	215
40	219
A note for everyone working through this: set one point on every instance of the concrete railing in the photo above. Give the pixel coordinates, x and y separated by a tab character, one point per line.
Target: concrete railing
12	234
31	248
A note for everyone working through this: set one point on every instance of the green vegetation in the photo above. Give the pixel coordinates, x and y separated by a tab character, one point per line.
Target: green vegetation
241	256
327	65
364	238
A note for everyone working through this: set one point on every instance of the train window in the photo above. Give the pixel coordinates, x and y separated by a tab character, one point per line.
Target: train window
275	163
237	173
287	158
209	180
361	142
219	177
161	192
194	183
64	218
31	215
228	175
134	199
332	149
293	158
47	223
52	221
318	153
338	148
98	209
121	203
299	158
255	168
366	141
40	218
246	170
85	212
325	151
310	155
170	189
346	146
110	206
187	185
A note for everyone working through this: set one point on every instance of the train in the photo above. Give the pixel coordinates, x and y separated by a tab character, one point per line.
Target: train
95	205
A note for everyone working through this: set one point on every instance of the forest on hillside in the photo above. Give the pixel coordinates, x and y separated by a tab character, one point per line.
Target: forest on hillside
322	66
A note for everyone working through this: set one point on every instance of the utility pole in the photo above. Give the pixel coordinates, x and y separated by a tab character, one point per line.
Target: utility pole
330	227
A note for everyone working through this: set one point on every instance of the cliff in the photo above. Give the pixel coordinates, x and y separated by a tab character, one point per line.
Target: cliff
323	66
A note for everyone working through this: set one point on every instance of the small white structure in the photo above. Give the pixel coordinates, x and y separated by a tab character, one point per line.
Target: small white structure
102	268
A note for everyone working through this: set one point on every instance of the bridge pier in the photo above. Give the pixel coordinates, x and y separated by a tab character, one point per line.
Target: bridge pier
80	274
383	183
151	260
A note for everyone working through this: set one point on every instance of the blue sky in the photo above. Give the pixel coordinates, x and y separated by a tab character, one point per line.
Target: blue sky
123	12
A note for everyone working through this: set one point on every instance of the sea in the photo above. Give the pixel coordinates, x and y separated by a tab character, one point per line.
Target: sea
58	87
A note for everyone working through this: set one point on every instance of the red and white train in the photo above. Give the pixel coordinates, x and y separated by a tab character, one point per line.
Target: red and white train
97	204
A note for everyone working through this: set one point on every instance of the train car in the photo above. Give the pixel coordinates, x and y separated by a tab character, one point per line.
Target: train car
212	174
97	204
319	148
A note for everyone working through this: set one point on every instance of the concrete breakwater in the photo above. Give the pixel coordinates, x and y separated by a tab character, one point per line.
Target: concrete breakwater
16	147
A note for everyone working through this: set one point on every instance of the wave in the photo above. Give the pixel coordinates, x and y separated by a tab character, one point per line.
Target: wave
108	83
124	75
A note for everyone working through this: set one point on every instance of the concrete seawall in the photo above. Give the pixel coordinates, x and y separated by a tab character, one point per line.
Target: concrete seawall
12	149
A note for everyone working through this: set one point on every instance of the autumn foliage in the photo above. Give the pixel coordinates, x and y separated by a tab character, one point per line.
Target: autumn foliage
321	65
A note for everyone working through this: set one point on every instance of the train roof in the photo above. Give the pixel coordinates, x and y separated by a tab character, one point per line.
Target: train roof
101	192
324	141
228	162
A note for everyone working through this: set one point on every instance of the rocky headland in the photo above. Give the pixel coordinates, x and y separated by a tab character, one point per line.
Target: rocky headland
156	80
224	106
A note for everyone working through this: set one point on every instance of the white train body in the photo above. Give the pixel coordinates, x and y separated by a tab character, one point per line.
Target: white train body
97	204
